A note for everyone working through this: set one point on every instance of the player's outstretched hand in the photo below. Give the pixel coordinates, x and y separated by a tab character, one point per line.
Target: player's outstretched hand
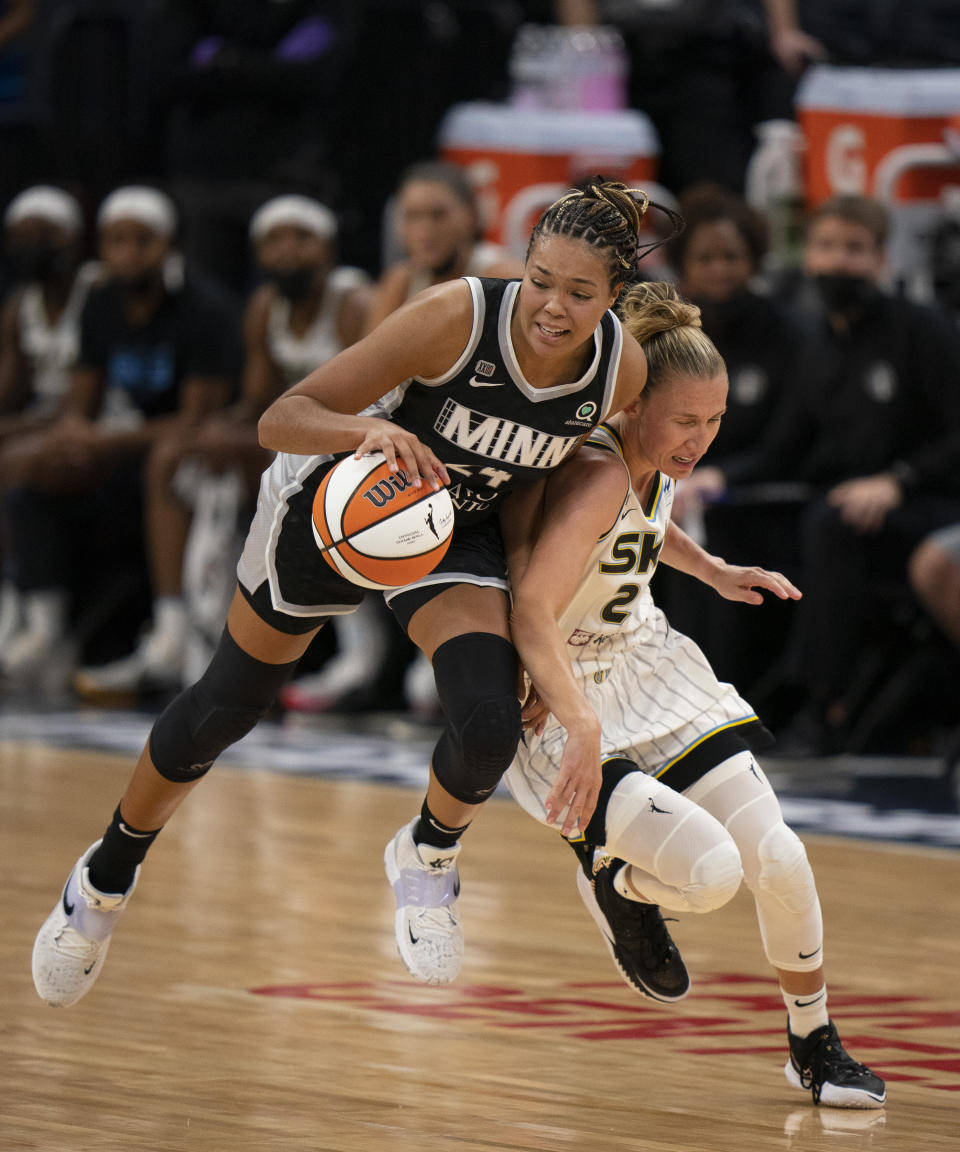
403	450
578	783
734	582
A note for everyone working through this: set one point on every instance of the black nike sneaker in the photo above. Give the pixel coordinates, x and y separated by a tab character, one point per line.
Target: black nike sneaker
636	935
818	1062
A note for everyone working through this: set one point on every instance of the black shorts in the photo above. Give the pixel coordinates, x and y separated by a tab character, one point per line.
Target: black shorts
290	586
475	556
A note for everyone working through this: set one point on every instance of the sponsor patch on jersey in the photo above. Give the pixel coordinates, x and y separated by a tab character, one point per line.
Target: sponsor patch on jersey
585	416
579	638
484	368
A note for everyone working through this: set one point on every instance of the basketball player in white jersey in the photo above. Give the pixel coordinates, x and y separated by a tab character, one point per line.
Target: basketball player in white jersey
306	311
637	752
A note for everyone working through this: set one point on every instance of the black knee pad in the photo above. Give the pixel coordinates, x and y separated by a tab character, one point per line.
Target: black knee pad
228	700
476	678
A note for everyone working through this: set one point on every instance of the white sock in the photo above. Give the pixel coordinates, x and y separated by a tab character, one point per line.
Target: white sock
46	612
170	616
806	1011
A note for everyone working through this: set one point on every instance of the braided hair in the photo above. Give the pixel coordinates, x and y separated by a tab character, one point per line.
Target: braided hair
607	215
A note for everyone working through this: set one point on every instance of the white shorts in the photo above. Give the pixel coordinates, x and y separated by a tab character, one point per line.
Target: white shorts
656	704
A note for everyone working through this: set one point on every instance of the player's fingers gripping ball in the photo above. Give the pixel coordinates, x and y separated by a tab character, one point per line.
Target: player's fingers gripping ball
375	528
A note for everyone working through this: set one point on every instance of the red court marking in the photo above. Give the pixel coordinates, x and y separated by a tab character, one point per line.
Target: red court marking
748	1011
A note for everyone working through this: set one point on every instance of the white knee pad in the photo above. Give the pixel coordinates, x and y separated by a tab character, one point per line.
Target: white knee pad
785	872
680	857
788	907
714	879
775	864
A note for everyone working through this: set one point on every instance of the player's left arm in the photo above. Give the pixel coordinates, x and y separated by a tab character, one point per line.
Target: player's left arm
583	498
731	581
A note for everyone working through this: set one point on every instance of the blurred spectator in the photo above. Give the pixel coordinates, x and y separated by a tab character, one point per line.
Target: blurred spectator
717	259
39	323
305	311
934	569
405	65
702	70
17	137
436	224
16	16
875	430
864	32
250	117
156	351
99	73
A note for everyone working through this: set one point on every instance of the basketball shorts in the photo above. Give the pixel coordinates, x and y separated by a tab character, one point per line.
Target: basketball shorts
660	706
288	583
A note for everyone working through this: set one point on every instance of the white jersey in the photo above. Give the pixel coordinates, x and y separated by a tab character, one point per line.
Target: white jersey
612	605
51	350
651	687
297	356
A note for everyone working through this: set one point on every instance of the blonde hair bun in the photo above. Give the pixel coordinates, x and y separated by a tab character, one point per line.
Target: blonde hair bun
650	307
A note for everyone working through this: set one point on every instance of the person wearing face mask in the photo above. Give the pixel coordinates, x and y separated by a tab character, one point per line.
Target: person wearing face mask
306	309
156	352
717	261
874	430
39	324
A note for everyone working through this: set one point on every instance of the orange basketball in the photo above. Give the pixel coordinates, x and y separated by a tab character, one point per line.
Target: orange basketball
375	528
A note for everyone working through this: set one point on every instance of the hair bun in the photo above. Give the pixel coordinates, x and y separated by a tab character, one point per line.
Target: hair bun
656	306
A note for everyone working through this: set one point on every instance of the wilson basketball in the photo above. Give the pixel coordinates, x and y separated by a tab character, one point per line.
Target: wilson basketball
375	528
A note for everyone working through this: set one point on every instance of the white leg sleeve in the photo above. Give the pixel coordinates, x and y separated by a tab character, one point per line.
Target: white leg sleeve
680	857
775	865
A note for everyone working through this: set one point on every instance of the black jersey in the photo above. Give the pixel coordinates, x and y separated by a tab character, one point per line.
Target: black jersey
489	426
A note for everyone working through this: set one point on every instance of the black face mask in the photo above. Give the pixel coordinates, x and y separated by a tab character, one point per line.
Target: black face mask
37	262
719	316
841	293
296	284
141	284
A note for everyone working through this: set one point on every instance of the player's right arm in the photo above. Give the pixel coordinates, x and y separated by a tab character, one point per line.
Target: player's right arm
320	414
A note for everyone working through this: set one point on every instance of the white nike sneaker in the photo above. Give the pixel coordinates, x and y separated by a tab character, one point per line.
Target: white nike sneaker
69	950
427	927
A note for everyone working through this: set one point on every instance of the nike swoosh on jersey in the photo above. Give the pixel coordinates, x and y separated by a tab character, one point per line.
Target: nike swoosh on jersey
475	383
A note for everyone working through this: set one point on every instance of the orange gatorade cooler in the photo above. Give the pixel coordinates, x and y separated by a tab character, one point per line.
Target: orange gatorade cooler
888	133
521	159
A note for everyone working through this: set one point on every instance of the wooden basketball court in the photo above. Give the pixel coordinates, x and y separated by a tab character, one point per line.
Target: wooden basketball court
253	1000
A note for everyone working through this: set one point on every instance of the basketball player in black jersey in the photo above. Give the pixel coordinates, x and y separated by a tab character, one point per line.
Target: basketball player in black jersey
488	384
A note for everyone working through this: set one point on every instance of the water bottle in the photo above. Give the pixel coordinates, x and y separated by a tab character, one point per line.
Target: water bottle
602	71
774	186
531	68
